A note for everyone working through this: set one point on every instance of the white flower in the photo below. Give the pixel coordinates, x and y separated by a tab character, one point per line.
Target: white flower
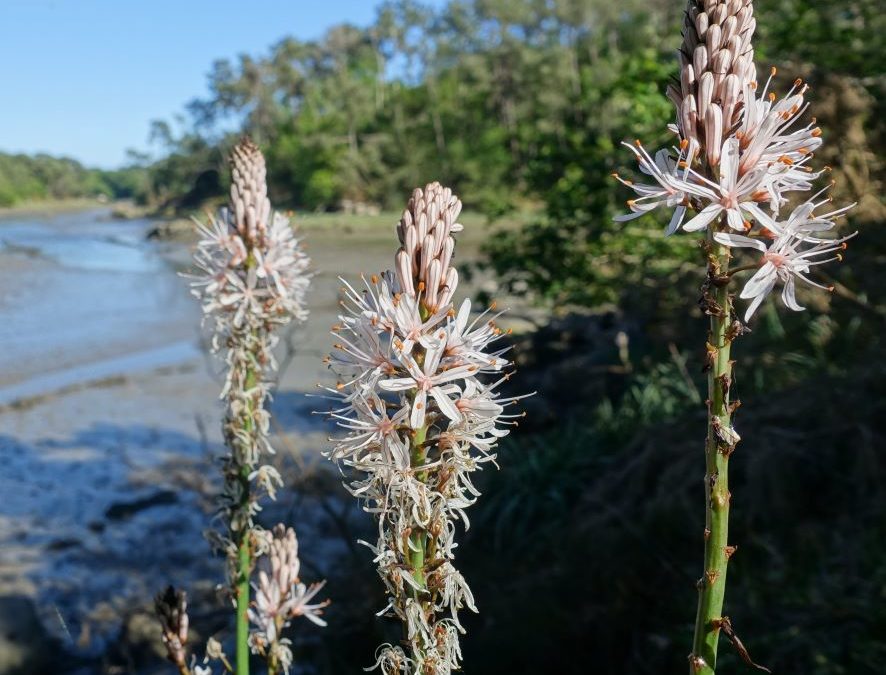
371	425
669	189
765	130
736	195
427	379
791	255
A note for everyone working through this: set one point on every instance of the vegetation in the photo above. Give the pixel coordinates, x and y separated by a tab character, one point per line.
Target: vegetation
521	105
25	178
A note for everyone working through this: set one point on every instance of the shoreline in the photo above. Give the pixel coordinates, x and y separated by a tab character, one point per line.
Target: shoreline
54	207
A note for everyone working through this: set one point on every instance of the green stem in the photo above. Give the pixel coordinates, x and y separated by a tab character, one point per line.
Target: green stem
244	552
418	538
719	445
244	561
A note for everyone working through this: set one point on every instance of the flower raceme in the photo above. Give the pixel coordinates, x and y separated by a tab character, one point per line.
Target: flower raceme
741	155
251	279
281	596
252	276
419	416
761	161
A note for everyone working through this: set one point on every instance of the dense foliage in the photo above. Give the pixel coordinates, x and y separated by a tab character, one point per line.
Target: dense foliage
491	97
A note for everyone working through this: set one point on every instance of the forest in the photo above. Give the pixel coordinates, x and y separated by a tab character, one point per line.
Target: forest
44	178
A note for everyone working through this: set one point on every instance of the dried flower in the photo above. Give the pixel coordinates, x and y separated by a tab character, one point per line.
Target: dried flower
418	420
171	607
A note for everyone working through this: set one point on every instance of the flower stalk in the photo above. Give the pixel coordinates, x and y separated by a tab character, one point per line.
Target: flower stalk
719	445
739	154
418	420
251	282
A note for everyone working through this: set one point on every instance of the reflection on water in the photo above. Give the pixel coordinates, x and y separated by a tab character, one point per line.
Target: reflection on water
82	288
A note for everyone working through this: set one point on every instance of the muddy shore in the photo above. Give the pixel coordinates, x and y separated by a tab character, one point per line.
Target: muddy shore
109	423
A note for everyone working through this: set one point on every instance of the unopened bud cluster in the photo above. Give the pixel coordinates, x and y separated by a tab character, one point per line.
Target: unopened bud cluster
280	596
419	418
171	607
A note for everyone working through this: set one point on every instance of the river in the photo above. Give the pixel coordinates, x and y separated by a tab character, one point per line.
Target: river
83	295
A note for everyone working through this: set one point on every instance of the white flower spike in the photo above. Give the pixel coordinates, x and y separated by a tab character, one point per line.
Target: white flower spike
417	420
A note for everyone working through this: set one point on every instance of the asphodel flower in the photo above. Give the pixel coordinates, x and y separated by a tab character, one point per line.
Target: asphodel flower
756	150
251	280
418	419
740	156
789	256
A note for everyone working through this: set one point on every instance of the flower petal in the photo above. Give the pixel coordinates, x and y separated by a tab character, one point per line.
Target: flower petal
788	297
739	241
447	407
703	218
676	220
761	283
417	417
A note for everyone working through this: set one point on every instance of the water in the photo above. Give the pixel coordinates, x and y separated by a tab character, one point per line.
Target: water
105	404
80	290
110	421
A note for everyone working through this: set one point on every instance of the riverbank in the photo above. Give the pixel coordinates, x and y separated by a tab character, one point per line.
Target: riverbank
110	422
50	207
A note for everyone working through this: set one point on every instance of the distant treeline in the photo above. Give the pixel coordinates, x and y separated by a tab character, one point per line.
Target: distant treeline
504	100
512	103
42	177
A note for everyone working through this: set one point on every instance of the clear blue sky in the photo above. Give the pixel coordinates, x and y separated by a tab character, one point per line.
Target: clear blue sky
84	78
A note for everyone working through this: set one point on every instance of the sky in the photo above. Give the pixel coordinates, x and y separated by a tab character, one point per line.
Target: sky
85	78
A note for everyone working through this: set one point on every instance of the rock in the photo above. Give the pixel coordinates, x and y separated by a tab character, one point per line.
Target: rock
122	510
25	645
179	229
63	544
